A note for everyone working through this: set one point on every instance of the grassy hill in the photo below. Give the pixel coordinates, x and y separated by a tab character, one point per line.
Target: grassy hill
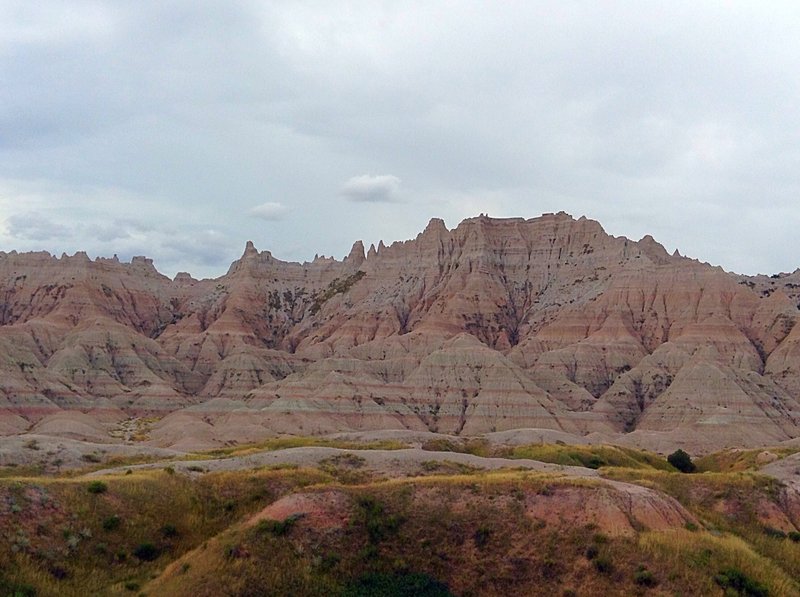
339	528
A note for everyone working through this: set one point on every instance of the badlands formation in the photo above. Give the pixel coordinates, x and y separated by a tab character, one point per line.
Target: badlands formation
548	325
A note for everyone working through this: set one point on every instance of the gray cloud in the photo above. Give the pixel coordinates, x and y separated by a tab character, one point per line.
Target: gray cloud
372	189
27	226
152	120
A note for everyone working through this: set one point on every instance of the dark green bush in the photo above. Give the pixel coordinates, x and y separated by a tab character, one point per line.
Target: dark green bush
378	523
604	564
644	577
146	552
278	528
775	533
681	461
595	462
111	523
733	578
97	487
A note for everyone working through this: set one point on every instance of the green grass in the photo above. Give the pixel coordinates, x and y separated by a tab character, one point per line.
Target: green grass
729	461
592	456
589	456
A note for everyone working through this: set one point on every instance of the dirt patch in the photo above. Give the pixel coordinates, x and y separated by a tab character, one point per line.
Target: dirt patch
617	509
319	510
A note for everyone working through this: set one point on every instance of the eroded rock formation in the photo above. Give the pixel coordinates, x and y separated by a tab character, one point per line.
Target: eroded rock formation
497	324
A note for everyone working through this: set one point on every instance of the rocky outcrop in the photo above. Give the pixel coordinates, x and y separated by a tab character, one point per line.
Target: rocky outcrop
497	324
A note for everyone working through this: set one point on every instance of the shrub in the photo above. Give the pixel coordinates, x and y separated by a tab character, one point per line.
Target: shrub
278	528
111	523
733	578
794	536
482	536
146	552
97	487
595	462
378	523
604	564
169	530
329	561
775	533
58	572
644	577
681	461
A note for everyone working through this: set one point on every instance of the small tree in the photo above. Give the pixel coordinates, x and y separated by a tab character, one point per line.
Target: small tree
681	461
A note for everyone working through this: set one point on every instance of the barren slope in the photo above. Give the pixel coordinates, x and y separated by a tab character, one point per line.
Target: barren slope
495	325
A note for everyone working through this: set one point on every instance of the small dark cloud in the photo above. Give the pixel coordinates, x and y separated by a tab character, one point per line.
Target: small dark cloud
383	188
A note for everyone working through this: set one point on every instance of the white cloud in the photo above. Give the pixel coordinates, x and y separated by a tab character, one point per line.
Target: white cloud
270	211
372	189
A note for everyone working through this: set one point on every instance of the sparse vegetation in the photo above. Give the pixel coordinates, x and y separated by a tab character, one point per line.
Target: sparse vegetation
278	528
397	584
422	534
337	286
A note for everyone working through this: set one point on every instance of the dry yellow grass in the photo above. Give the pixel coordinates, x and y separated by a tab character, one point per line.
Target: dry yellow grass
466	527
688	552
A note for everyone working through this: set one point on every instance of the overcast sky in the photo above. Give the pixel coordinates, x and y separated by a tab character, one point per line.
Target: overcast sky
179	130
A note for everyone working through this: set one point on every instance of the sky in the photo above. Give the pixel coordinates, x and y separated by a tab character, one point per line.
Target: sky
181	129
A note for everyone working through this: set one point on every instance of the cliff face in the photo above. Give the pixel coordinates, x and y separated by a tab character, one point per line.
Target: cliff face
497	324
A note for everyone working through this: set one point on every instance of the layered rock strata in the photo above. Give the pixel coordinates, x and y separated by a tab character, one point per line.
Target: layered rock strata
497	324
